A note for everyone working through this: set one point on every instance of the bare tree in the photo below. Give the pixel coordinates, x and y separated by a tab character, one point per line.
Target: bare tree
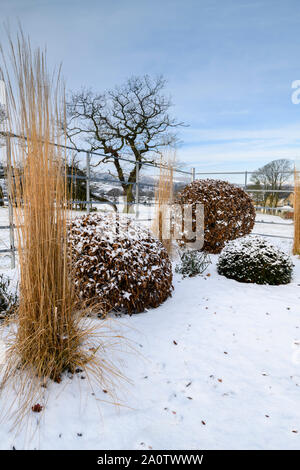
273	175
130	121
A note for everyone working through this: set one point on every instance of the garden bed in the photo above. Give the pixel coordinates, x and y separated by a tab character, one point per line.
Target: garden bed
215	367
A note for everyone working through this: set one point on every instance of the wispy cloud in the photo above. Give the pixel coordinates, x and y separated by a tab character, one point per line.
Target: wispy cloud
232	148
229	64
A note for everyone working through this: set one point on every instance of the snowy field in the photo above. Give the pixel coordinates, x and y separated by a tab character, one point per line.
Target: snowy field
217	366
266	224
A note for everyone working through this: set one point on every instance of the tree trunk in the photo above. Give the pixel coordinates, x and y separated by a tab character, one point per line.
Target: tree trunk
128	199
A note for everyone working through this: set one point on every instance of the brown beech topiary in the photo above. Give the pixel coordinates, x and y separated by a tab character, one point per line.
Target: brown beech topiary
228	211
118	264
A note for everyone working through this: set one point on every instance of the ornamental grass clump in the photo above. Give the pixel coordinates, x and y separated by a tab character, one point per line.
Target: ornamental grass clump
49	336
162	224
254	260
228	211
192	263
296	246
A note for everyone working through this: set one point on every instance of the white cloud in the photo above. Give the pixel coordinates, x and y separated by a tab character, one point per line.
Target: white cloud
232	148
284	134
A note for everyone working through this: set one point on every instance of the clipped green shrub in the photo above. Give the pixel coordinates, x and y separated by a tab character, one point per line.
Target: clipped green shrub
254	260
192	263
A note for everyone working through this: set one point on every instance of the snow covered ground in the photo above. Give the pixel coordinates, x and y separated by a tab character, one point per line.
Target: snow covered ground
217	366
267	224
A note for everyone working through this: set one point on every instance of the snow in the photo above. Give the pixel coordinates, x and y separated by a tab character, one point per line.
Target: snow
286	229
113	254
217	366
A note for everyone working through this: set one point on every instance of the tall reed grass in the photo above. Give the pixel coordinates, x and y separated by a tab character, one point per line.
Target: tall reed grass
162	226
296	246
50	336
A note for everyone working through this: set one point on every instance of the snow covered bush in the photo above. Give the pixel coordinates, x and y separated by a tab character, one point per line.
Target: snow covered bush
228	211
192	263
253	259
8	299
118	263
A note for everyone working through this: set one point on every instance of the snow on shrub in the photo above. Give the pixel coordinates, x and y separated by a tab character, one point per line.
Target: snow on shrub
192	263
8	299
253	259
118	263
228	211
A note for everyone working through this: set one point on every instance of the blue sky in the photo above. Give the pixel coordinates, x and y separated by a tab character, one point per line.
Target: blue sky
229	65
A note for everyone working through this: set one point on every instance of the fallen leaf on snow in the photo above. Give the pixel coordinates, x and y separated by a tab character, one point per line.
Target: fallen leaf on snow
37	408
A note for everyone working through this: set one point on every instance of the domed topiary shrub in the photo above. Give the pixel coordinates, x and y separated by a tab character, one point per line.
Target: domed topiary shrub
253	259
228	211
118	263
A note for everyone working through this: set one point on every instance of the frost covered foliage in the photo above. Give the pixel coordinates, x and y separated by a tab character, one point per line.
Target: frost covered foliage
253	259
118	263
192	263
228	211
8	299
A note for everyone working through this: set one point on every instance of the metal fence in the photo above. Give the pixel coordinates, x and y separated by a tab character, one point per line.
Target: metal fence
244	176
189	175
88	202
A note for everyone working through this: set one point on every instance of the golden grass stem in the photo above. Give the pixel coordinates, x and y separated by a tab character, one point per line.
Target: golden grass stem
163	200
50	335
296	246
